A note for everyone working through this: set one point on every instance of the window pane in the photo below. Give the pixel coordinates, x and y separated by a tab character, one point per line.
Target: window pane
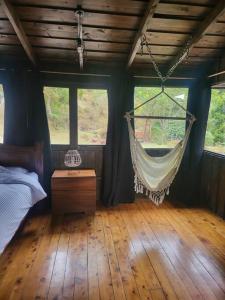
215	133
2	106
92	116
160	133
57	107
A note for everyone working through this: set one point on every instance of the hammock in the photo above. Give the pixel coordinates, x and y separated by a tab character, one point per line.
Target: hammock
155	174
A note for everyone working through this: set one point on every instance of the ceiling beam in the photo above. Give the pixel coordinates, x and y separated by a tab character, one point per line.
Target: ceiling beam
142	30
202	29
17	25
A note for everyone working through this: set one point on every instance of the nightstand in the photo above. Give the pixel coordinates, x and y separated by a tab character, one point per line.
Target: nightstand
73	191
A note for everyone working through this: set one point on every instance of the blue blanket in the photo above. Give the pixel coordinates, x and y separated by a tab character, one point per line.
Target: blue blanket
19	191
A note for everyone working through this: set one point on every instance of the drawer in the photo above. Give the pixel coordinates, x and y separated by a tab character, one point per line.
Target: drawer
73	201
87	184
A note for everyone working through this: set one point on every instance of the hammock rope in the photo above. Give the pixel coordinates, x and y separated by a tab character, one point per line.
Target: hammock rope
154	175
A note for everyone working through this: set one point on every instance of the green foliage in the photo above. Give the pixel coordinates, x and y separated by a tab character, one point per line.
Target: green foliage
209	139
215	134
57	107
160	133
175	130
92	115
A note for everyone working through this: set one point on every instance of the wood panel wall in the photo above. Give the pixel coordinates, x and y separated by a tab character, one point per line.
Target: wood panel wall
92	158
218	74
212	185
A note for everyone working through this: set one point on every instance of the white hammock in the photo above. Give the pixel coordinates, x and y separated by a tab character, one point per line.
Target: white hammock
155	174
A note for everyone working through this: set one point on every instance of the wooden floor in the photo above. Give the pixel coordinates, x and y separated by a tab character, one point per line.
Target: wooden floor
133	251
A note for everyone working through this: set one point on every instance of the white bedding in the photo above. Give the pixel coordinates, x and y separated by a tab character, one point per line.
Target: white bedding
19	191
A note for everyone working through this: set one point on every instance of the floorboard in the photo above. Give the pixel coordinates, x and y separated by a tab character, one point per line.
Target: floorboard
132	251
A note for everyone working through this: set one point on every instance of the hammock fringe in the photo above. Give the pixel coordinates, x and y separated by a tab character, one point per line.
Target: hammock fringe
155	196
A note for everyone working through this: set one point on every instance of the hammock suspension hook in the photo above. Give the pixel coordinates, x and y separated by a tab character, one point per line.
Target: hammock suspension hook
184	54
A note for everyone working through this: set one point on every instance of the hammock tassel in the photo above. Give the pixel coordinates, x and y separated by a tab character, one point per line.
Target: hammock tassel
138	186
167	191
156	196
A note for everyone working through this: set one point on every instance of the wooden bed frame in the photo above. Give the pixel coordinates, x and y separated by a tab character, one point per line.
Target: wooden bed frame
30	158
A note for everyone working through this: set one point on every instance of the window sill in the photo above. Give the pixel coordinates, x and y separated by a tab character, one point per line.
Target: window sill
214	154
79	147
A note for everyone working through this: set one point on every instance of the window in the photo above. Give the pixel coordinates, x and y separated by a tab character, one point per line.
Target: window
2	106
57	107
92	116
215	133
159	133
77	116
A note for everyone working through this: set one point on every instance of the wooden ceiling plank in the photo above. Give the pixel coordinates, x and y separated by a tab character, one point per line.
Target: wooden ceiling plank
17	25
54	31
106	47
194	2
121	7
48	42
70	31
110	6
113	27
59	17
142	30
110	35
69	53
183	26
181	10
202	29
62	16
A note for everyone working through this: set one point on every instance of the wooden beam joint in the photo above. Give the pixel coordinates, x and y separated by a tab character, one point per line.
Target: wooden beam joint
142	30
203	28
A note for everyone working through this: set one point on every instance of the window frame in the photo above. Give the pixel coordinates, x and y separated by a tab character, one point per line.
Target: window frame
73	109
172	83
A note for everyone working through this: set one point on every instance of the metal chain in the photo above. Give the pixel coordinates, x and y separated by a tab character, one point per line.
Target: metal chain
144	42
184	54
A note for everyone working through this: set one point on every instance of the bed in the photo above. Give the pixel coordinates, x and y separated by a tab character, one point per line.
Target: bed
21	175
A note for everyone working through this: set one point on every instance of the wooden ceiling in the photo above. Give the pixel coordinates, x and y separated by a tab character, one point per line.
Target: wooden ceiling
111	29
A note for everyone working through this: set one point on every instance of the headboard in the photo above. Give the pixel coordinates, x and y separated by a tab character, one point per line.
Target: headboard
30	158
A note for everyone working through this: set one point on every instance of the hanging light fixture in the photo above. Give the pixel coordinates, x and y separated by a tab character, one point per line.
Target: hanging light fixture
80	43
72	157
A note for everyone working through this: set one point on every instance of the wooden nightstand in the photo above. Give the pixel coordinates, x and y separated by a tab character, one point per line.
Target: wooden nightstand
73	191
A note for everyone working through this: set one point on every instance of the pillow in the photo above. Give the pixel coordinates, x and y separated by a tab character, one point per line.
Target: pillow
18	170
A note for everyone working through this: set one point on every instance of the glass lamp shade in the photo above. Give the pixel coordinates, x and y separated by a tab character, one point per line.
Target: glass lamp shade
72	159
